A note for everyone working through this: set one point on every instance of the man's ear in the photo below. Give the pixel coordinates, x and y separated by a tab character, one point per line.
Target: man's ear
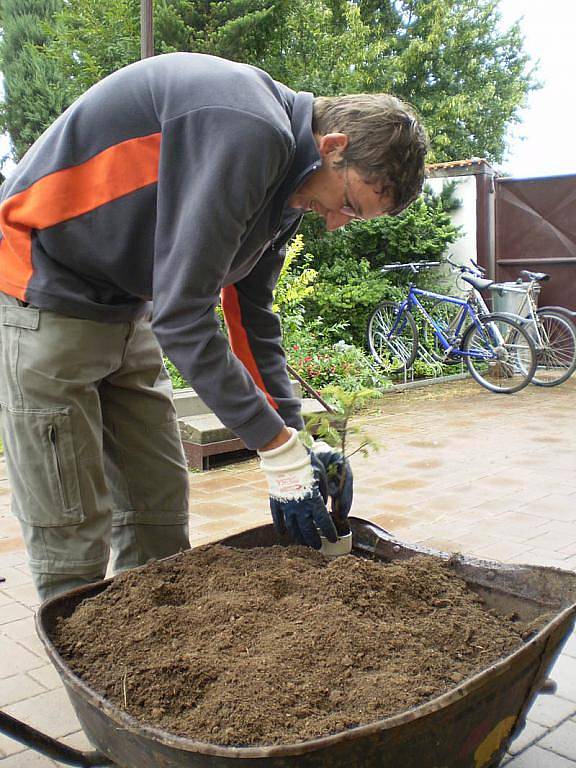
331	143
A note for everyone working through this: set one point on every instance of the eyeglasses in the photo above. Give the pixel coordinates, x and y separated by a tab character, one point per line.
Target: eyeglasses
349	210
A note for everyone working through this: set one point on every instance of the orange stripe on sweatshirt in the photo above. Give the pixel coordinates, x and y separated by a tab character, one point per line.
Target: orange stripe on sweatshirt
65	194
239	338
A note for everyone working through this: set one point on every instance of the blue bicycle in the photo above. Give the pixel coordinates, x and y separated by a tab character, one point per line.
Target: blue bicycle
497	350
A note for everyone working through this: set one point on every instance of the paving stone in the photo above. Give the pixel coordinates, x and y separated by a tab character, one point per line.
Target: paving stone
49	712
12	612
546	557
554	506
46	676
502	551
441	545
78	740
559	536
15	658
530	733
549	711
23	568
218	482
27	759
10	526
8	747
570	647
17	688
562	740
214	510
564	673
196	538
222	528
11	544
194	519
14	577
248	496
34	644
25	594
570	564
12	559
516	526
18	629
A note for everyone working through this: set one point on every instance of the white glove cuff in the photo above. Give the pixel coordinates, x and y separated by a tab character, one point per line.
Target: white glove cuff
288	469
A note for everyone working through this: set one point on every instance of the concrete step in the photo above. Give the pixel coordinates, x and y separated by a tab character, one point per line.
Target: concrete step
206	428
188	403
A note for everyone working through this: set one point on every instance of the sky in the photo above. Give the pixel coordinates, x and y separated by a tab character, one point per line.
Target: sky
543	143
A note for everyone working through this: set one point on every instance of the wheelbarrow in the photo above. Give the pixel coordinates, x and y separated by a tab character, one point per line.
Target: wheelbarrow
470	726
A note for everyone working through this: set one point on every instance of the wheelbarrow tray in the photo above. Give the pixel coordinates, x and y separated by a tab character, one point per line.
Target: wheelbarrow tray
470	726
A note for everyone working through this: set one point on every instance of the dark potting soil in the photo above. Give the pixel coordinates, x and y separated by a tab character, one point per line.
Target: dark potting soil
278	645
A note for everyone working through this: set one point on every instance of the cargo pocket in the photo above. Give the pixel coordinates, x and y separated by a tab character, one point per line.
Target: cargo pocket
15	319
42	467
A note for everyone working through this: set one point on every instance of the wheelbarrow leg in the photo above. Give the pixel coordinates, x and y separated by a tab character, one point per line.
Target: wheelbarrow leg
48	746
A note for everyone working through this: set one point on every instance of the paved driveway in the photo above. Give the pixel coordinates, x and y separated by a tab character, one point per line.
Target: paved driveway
459	469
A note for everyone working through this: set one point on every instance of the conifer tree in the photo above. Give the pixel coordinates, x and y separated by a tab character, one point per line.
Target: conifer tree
34	93
452	59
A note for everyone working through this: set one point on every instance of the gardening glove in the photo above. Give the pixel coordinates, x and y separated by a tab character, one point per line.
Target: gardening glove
296	503
329	467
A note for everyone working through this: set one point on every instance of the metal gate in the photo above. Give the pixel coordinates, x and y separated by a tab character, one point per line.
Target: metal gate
535	228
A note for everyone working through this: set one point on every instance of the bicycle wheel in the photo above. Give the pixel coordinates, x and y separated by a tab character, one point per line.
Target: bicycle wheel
446	314
499	353
392	338
555	341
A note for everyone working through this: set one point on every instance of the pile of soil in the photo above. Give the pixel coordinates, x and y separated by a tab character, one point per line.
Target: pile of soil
277	645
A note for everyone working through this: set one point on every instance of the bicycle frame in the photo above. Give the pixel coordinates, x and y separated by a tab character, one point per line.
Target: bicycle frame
467	312
499	353
527	308
525	312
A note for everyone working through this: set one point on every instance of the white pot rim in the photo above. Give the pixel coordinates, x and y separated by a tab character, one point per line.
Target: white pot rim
342	546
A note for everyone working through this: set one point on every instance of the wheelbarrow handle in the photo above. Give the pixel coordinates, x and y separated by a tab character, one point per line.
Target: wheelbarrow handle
48	746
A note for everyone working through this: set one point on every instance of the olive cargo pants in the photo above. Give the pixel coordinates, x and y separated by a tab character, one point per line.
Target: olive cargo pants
92	445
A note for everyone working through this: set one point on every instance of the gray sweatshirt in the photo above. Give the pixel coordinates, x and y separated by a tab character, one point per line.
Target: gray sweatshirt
168	182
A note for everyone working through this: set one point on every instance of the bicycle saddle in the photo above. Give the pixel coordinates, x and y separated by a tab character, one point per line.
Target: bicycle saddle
541	277
480	283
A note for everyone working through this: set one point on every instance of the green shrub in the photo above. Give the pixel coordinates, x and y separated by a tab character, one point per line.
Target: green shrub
340	364
348	261
177	381
316	347
344	305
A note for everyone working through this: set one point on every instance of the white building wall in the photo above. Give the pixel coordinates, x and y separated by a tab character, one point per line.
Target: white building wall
464	249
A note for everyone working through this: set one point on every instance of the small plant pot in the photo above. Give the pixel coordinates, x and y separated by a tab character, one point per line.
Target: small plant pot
343	546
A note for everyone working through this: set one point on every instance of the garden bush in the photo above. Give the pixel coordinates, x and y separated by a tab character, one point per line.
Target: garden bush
315	347
348	261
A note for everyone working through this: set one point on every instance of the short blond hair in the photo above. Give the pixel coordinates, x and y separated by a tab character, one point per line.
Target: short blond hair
387	143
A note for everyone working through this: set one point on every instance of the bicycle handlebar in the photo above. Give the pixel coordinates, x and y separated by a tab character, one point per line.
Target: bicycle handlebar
413	266
478	271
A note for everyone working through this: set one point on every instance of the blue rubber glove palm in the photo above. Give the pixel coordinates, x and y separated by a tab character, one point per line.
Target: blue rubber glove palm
296	503
303	519
334	475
